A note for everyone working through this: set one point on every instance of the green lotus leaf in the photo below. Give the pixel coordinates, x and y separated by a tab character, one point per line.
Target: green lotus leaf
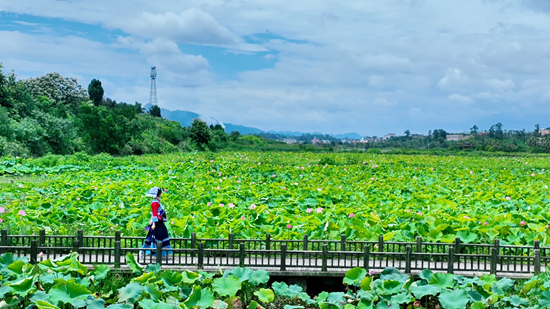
100	272
294	290
155	268
259	277
201	298
265	295
23	287
421	291
226	286
516	301
457	299
477	305
402	298
354	276
426	274
67	293
17	267
153	291
466	236
45	305
95	303
145	277
190	277
280	288
171	278
443	281
544	299
243	274
134	266
130	293
390	287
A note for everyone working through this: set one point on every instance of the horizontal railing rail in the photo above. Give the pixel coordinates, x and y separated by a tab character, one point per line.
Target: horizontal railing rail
285	255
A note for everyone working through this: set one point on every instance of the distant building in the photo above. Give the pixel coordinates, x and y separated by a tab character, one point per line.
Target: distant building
290	141
364	140
315	140
418	135
454	137
544	132
388	136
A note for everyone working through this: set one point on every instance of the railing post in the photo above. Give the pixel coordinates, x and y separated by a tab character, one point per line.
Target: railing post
200	261
80	237
193	243
419	244
117	236
42	237
159	252
343	242
4	239
283	257
537	261
494	257
366	257
408	251
325	256
305	243
381	243
34	251
451	261
241	254
230	241
117	253
268	246
457	245
76	245
536	244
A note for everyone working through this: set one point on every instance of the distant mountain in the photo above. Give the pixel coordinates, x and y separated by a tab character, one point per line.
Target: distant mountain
352	135
242	129
186	119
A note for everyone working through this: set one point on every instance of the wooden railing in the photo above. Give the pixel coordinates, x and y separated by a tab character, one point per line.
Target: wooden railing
287	255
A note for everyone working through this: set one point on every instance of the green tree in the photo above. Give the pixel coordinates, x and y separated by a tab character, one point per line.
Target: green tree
155	111
95	91
200	133
496	131
536	133
235	135
474	129
407	133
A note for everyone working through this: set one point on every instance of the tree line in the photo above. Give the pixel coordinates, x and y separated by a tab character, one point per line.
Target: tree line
52	114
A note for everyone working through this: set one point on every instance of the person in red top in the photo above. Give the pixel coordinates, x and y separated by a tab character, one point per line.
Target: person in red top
156	229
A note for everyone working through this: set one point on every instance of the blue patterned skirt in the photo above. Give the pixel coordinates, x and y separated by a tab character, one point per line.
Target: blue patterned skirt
160	233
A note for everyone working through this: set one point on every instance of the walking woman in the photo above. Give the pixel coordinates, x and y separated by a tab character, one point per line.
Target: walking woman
156	230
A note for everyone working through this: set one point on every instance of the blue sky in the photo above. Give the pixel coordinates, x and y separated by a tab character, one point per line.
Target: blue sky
370	67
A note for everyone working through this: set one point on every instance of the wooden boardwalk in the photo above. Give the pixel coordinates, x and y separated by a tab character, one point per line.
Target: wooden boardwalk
310	267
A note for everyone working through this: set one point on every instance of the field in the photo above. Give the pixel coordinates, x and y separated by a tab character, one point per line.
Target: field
287	195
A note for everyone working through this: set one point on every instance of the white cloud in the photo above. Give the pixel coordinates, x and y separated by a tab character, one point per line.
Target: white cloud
501	85
190	26
460	98
383	102
453	79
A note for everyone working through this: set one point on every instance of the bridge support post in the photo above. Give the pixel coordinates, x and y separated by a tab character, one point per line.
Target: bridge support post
325	255
283	257
42	237
200	262
4	240
268	246
537	261
117	253
494	258
366	257
419	244
457	245
343	242
305	243
76	245
80	237
159	252
381	243
408	251
241	254
451	261
34	251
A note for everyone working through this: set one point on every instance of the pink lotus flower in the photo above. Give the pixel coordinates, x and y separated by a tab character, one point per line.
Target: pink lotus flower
238	181
522	223
242	217
41	254
345	169
485	223
419	213
319	210
221	205
1	220
78	198
22	213
211	161
296	183
372	178
340	187
309	210
405	210
218	187
274	176
284	188
95	188
466	217
302	167
252	206
351	215
533	175
259	163
231	205
371	272
267	211
288	226
194	186
471	173
508	197
2	210
208	204
319	189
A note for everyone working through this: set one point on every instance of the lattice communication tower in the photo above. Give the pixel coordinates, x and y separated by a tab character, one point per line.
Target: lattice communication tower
153	93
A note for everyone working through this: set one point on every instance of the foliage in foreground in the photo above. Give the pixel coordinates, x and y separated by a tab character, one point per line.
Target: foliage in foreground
66	283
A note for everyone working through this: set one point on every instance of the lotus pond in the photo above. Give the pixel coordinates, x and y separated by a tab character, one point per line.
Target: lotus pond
285	194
